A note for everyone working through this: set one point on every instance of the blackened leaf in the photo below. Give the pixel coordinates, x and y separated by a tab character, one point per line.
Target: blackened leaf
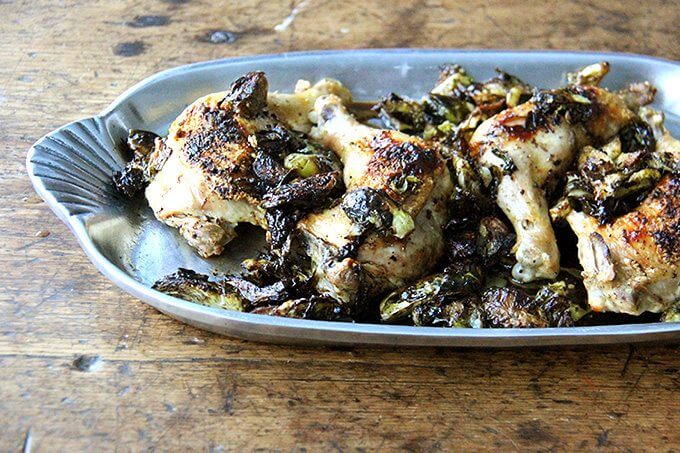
304	193
270	294
248	94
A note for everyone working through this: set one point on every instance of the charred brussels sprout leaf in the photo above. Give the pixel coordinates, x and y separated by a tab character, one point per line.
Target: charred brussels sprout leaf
248	94
141	142
368	208
130	180
280	229
464	312
138	171
268	169
277	141
304	193
450	284
553	304
489	244
401	114
613	180
494	240
315	307
189	285
571	104
510	307
464	209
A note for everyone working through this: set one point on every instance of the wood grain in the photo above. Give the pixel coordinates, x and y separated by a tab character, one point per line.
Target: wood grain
163	385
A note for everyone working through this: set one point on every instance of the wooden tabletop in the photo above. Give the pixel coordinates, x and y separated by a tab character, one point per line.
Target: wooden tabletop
83	365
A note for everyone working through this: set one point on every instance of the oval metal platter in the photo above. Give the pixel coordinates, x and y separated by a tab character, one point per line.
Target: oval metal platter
71	169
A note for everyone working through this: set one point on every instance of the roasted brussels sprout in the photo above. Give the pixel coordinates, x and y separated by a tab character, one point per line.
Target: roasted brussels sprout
494	241
489	242
194	287
450	299
440	288
510	307
614	179
451	102
268	286
401	114
464	312
313	191
139	170
559	303
571	104
314	307
368	208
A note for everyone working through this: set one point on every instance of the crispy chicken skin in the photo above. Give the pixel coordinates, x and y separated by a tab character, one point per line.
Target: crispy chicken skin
528	147
633	264
214	168
387	230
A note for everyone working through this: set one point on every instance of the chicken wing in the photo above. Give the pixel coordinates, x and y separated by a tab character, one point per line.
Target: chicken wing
387	230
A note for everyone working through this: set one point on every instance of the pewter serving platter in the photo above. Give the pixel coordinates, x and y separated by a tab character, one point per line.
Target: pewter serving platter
71	169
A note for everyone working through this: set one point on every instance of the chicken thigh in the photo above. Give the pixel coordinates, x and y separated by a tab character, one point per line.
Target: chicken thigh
387	230
224	153
633	264
525	149
627	219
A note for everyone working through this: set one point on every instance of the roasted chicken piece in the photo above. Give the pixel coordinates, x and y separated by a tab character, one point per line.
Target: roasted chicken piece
632	265
624	206
227	152
387	231
526	149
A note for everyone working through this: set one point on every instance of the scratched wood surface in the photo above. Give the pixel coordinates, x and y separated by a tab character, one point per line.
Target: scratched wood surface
160	384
